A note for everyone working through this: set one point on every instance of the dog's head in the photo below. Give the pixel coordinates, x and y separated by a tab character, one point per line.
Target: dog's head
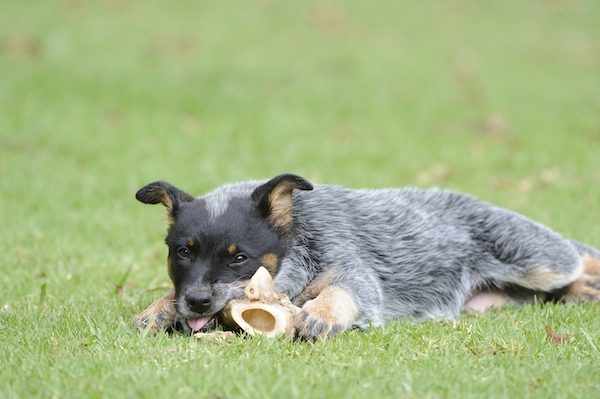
217	242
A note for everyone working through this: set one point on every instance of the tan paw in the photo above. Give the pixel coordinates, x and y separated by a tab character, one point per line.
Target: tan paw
586	288
331	312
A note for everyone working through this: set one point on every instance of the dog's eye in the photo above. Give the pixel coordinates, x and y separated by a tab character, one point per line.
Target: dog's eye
239	258
183	252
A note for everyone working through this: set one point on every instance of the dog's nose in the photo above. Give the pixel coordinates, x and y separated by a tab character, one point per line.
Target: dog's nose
199	301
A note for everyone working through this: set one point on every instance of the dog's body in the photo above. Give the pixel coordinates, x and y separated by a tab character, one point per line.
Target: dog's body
358	257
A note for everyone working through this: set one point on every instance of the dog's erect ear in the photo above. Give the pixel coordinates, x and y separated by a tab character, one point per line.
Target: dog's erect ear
163	193
274	198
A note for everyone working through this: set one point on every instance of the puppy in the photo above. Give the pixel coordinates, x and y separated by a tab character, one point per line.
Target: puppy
357	258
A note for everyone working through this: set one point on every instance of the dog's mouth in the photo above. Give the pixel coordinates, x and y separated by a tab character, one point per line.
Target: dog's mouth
202	323
222	293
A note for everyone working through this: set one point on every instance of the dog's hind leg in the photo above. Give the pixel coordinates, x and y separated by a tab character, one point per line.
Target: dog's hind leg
538	272
527	258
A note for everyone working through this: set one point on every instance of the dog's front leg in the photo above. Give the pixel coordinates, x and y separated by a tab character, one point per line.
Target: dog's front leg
161	315
333	311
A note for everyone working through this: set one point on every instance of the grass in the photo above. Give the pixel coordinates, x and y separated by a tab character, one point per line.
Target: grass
499	99
93	353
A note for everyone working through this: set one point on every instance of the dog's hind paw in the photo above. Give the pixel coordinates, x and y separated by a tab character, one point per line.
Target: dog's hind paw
159	316
586	288
331	312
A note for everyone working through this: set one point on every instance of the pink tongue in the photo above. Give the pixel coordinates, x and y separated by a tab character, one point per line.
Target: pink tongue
197	324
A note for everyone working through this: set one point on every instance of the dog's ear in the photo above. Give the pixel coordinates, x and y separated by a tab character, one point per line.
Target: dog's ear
162	192
274	198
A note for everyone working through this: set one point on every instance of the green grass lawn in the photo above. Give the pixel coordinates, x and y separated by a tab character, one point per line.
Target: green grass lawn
499	99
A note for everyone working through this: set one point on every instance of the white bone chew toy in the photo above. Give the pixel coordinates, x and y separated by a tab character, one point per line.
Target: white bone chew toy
263	310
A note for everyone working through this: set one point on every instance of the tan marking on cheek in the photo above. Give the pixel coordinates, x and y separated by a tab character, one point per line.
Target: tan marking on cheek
269	261
231	249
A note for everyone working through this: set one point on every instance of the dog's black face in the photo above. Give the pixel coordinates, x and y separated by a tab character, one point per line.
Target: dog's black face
211	261
217	244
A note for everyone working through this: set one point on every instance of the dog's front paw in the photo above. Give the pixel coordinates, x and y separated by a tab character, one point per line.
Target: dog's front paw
161	315
331	312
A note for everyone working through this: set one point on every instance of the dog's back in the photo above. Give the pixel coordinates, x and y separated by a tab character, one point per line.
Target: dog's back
420	253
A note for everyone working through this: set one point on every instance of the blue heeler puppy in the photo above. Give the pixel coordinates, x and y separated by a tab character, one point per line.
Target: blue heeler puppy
354	258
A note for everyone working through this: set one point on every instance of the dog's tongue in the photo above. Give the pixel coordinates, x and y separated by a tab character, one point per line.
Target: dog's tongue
198	323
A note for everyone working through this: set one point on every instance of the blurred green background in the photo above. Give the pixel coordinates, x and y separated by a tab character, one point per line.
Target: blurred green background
499	99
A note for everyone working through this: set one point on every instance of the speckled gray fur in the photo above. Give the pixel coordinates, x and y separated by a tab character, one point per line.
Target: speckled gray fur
412	253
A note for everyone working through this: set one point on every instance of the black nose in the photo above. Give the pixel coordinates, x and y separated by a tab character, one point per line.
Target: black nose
199	301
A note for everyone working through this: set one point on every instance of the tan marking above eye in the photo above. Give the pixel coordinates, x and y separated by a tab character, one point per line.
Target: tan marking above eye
269	261
190	242
231	249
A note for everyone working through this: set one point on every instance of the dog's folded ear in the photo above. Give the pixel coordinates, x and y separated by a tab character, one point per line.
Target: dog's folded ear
164	193
274	198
